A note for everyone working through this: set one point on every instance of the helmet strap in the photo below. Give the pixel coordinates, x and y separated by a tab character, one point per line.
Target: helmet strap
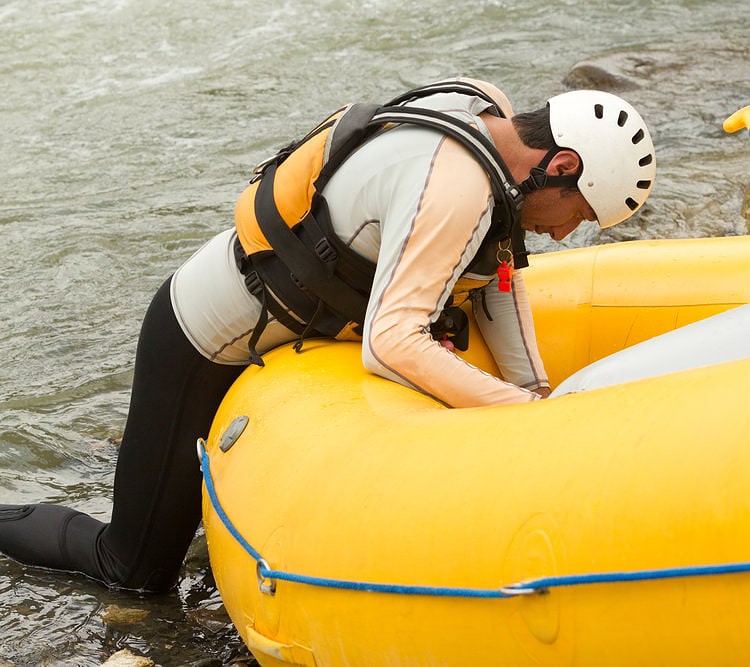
539	178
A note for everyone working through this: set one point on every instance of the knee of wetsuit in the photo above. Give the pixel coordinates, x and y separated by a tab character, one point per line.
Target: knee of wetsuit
142	577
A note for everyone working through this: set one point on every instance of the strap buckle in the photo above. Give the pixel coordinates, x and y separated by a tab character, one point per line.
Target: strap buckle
254	283
515	195
326	251
261	167
279	156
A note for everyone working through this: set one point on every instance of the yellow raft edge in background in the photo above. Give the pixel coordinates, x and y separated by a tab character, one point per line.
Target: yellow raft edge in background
739	120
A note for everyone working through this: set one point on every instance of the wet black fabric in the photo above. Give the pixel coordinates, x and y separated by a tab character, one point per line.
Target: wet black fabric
157	490
50	536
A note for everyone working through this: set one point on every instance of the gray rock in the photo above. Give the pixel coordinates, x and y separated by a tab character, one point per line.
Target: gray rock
116	615
125	658
590	75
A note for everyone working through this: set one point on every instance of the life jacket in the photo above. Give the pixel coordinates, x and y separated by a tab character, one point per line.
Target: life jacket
293	261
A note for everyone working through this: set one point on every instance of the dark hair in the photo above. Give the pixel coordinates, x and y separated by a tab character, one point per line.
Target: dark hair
533	128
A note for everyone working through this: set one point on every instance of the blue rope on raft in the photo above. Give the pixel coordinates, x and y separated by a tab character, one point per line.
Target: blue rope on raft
539	585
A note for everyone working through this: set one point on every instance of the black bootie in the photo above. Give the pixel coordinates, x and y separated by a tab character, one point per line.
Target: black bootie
51	536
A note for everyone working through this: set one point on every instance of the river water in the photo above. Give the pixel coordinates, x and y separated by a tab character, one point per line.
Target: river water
127	129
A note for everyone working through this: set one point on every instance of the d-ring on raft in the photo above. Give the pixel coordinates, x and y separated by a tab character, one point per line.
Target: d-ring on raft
621	513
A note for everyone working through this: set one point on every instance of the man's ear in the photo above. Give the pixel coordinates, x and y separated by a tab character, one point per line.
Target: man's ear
565	162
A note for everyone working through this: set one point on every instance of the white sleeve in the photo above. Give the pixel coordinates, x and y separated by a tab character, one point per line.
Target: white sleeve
510	334
432	228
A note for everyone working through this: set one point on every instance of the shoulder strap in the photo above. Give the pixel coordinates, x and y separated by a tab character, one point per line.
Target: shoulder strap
508	196
505	218
461	87
349	131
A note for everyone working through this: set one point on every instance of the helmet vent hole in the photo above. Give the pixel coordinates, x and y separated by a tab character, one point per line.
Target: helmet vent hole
638	137
646	159
599	110
632	203
643	185
622	118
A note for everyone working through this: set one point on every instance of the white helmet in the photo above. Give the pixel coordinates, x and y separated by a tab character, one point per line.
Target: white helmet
615	147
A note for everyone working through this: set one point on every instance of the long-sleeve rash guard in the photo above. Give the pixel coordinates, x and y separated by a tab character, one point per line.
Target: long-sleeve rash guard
417	203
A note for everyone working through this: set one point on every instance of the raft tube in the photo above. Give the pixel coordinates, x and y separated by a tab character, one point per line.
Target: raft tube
353	521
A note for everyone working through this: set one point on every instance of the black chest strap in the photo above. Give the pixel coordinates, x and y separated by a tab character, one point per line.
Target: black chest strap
313	268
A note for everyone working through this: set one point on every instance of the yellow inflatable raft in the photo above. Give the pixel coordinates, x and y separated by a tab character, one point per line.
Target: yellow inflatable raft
352	521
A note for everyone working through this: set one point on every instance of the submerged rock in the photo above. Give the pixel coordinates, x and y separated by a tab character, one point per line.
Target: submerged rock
126	658
671	70
117	615
621	71
590	75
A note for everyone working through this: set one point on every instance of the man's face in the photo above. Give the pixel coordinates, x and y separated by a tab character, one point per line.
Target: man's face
555	211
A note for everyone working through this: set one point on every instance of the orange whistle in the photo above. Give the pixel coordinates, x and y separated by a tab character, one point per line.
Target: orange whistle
504	276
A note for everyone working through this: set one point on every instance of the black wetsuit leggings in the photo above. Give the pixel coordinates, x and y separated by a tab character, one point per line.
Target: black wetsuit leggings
157	492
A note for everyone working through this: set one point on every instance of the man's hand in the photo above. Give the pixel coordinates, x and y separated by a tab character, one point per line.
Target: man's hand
543	391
